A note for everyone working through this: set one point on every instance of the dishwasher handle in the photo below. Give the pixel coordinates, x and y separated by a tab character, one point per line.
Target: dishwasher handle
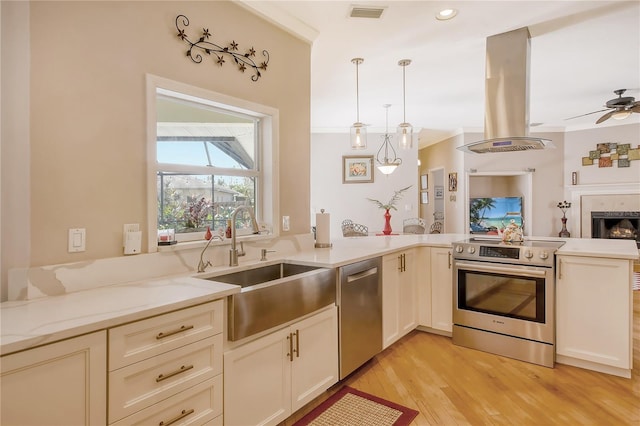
363	274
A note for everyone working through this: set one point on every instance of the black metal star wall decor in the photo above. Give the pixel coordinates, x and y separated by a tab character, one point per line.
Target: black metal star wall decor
203	46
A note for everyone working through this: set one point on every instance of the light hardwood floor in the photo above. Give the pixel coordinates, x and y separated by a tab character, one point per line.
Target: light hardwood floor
452	385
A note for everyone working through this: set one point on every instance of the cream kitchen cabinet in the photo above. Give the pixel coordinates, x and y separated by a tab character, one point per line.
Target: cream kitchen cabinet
441	290
399	295
168	368
63	383
268	379
423	282
594	313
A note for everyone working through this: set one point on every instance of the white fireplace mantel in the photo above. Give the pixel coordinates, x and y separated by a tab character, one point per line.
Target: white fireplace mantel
576	193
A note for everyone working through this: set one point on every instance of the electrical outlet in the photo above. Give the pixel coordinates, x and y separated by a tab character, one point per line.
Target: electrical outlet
285	223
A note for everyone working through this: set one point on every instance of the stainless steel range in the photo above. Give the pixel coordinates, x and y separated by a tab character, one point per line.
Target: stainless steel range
504	298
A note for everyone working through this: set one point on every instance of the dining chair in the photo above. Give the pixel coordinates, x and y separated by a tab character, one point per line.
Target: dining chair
351	229
436	228
414	225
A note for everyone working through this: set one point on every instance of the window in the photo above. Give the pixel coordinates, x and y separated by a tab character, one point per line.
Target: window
211	154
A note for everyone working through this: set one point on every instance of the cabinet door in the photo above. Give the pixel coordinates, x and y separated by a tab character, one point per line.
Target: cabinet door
441	290
390	299
407	294
315	363
63	383
257	381
423	282
593	314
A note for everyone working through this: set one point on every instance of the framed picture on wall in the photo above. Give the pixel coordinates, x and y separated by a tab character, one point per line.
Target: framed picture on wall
424	197
439	192
357	168
453	182
424	182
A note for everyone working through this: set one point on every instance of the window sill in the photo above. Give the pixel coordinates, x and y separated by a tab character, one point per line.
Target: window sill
190	245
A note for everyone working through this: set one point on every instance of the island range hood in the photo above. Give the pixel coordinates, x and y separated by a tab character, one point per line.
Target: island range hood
506	119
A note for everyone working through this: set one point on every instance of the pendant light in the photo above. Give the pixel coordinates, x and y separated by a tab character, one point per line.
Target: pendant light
358	129
405	130
387	165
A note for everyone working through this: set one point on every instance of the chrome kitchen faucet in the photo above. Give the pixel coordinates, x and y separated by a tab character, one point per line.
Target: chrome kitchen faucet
234	253
202	265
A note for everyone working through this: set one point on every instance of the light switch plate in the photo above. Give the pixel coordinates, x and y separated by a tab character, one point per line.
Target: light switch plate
77	240
129	227
285	223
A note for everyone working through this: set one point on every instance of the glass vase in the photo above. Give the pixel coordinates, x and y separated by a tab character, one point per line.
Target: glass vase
387	223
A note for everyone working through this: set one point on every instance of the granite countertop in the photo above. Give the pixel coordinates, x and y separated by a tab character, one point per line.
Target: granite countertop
34	322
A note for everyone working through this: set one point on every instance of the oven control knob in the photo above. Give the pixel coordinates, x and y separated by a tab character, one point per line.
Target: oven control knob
544	255
471	250
459	249
528	254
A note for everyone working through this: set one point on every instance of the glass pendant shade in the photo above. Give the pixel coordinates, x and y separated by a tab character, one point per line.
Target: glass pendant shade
405	136
358	129
385	164
405	130
387	169
358	136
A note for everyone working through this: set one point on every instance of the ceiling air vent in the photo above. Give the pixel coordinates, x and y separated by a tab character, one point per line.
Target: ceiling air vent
366	12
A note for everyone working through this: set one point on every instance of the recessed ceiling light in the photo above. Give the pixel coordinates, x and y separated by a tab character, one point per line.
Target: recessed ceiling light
445	14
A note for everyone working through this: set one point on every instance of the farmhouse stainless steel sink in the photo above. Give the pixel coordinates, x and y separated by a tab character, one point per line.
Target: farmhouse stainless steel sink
275	294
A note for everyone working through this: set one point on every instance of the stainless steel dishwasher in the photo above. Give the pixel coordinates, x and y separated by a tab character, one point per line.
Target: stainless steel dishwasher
360	313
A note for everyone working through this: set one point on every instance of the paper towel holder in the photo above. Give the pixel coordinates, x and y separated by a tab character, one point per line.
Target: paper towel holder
321	245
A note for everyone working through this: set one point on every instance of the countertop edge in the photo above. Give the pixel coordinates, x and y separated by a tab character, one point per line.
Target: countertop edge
21	340
173	293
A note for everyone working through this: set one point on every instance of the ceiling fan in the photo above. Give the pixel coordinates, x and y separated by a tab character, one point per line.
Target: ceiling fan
618	108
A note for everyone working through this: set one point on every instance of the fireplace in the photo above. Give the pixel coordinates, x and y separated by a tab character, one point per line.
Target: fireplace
616	225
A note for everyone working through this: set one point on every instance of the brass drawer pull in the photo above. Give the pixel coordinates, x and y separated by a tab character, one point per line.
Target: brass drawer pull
182	369
180	416
297	351
290	339
172	332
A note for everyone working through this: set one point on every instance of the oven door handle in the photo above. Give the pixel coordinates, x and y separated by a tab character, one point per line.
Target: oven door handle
509	270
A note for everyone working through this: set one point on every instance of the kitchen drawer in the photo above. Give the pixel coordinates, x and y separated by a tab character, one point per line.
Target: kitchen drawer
198	405
147	338
143	384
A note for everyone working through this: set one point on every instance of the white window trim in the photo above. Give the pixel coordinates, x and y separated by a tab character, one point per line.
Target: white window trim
267	150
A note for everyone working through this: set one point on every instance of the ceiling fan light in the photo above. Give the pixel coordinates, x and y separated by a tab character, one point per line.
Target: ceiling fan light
621	115
405	136
358	136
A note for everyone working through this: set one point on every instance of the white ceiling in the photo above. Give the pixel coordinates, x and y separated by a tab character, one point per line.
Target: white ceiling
580	52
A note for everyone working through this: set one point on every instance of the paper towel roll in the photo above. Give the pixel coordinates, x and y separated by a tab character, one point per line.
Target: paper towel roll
323	229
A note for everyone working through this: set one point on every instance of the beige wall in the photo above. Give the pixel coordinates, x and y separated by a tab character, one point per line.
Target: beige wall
580	142
547	182
87	112
551	180
445	155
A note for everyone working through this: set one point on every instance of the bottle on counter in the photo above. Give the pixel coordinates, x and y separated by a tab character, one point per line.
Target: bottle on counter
228	231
